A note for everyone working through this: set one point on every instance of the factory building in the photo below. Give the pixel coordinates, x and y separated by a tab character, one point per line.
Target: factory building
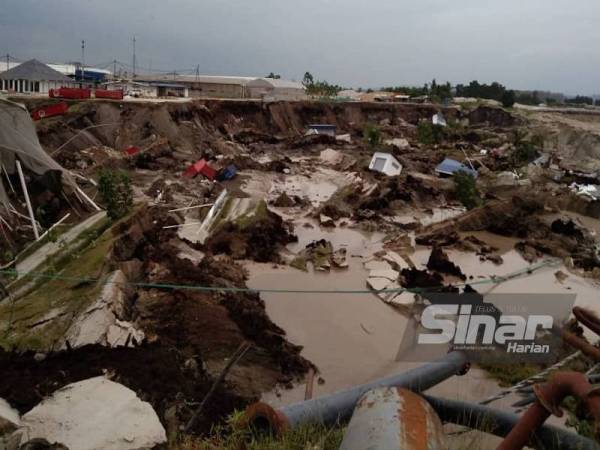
275	89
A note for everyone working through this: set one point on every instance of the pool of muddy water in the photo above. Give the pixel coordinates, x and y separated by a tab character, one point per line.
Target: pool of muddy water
355	338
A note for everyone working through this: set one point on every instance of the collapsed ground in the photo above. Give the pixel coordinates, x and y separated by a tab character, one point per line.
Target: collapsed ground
285	180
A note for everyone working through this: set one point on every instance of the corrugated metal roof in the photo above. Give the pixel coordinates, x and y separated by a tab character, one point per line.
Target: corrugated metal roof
33	70
214	79
450	166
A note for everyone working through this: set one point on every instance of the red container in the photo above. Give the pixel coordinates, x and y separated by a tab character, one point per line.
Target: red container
73	93
58	109
112	94
132	150
202	167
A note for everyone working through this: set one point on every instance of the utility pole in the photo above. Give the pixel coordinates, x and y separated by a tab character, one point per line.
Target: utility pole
133	58
7	61
114	69
197	72
82	60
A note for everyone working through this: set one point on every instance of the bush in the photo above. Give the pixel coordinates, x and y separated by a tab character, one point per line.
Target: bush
508	99
372	135
116	193
465	189
428	133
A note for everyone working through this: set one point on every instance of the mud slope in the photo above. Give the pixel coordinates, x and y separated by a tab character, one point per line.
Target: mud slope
190	125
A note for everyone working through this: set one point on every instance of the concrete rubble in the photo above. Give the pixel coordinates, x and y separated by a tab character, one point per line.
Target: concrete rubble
94	414
100	323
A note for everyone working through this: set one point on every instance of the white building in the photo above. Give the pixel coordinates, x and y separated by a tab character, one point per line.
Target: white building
275	89
385	163
33	77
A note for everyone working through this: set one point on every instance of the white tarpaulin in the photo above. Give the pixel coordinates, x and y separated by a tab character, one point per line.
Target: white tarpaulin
18	138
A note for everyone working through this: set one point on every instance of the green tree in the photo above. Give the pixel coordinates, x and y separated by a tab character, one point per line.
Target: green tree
508	99
116	193
308	80
429	134
465	189
372	135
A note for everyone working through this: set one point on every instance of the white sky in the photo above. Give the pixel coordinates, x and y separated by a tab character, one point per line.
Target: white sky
525	44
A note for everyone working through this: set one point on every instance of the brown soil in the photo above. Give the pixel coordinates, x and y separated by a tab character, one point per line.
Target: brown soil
259	239
439	262
192	332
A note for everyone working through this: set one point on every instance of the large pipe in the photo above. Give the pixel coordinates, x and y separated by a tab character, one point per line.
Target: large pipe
394	418
549	397
587	318
338	407
500	423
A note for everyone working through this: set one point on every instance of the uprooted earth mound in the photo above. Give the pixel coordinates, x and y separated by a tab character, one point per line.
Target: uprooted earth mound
258	236
526	219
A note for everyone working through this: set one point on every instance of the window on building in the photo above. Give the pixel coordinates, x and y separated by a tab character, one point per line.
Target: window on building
37	86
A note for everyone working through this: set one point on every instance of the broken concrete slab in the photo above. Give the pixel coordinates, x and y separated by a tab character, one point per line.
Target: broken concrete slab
403	299
10	419
378	284
100	323
94	414
389	274
377	265
396	261
331	157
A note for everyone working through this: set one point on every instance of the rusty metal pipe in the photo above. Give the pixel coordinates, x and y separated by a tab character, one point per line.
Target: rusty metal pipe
549	397
500	423
586	348
394	418
587	318
338	407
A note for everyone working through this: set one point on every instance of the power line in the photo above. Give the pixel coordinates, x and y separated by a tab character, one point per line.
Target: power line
417	290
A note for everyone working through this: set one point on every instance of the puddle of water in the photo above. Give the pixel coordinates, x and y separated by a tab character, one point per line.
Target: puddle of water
355	338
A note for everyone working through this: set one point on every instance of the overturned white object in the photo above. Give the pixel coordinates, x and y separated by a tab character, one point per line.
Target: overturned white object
94	414
385	163
439	119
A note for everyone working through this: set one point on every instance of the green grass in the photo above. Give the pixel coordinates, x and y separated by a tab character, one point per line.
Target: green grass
510	374
84	259
232	436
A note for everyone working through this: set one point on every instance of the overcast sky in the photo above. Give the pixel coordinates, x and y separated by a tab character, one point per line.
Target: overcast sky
524	44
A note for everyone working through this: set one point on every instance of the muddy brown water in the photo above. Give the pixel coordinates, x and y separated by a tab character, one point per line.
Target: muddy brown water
354	338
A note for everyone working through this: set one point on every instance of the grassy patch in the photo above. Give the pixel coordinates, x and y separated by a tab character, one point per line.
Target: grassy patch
510	374
233	437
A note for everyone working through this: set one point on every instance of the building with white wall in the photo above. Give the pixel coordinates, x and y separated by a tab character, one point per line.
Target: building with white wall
33	77
276	89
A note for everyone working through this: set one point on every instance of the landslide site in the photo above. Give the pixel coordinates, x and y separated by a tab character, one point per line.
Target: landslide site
126	298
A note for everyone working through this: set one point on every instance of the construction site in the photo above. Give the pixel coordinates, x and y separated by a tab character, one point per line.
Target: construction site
241	274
